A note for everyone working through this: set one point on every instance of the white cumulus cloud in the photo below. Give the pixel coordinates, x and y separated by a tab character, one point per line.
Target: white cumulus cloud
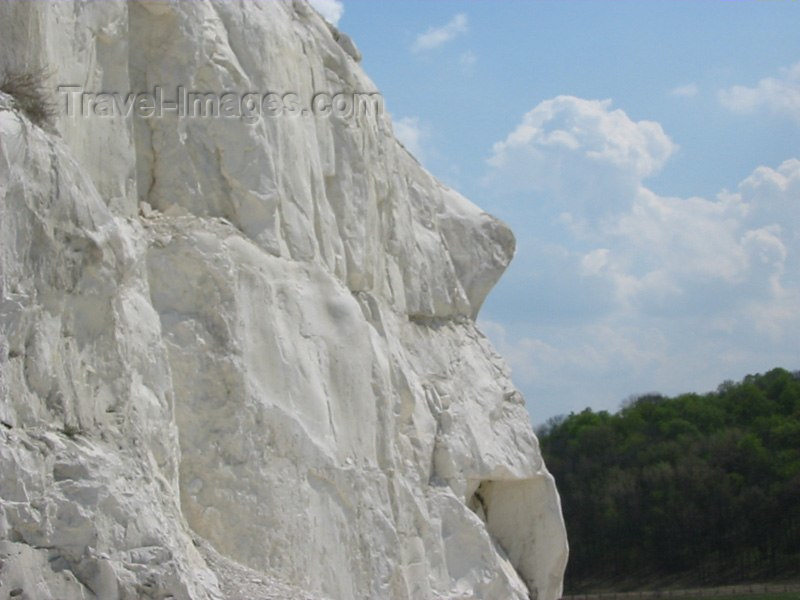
331	10
778	95
591	129
684	255
663	289
437	36
773	195
583	153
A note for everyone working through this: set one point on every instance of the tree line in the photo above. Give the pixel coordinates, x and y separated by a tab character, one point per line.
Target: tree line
699	489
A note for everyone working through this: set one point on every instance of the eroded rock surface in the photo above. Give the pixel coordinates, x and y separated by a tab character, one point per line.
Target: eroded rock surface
267	381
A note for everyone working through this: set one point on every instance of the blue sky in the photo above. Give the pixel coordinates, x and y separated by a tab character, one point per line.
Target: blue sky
647	157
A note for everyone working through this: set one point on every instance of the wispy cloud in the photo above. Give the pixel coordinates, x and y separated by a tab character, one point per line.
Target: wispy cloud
685	91
778	95
467	61
331	10
437	36
411	134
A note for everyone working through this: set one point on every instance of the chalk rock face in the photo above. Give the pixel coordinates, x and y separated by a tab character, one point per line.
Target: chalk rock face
238	356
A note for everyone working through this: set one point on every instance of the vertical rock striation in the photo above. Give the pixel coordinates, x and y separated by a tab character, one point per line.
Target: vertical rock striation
267	382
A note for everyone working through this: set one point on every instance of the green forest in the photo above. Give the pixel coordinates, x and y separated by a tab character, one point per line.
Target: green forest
699	489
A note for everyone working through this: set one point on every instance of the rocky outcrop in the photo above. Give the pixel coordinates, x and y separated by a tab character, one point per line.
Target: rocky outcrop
238	356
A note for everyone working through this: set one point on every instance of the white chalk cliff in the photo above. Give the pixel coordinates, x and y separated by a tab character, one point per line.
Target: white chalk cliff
239	360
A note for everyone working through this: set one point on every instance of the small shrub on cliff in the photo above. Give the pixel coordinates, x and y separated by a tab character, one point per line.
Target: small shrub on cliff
30	94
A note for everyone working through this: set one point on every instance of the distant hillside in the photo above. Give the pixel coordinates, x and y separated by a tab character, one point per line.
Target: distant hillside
699	489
